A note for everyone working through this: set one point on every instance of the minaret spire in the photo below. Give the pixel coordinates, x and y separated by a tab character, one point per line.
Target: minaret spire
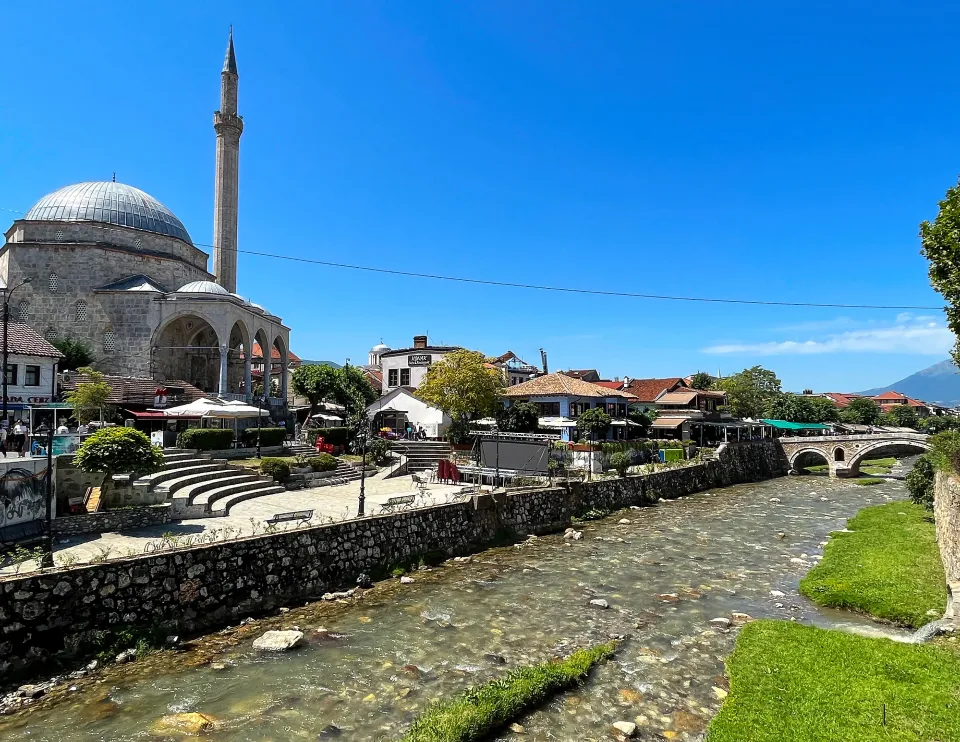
229	127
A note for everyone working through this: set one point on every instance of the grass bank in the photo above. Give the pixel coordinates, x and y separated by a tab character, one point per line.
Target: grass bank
888	566
484	709
794	683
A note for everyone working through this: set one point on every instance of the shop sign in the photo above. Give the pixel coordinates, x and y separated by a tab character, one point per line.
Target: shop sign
419	359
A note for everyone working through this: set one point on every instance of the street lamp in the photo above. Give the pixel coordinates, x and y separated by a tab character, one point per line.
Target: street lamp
7	293
259	402
364	429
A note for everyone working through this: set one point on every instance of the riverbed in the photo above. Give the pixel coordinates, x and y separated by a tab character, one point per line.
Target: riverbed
665	574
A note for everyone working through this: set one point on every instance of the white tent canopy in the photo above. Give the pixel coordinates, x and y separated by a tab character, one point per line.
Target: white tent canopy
216	409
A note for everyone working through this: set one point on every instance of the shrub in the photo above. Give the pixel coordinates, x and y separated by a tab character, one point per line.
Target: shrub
276	468
920	482
946	451
268	436
333	436
377	450
620	461
323	462
118	451
205	439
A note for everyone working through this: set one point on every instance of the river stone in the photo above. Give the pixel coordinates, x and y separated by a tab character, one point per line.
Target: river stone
777	594
625	728
31	691
741	618
127	655
774	499
406	580
190	724
599	603
720	621
624	522
278	641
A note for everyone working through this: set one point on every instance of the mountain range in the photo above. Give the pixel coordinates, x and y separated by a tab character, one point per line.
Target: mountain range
939	384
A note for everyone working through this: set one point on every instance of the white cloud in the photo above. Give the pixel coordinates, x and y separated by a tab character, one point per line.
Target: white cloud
911	335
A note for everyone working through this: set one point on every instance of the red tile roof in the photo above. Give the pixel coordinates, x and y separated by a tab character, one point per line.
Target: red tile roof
647	390
274	354
131	390
559	385
609	384
840	399
23	340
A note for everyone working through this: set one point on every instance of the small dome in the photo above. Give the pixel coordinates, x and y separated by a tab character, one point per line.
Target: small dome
379	348
108	203
203	287
257	307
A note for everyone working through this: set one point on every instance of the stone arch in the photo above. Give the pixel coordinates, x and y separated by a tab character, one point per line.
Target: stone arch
810	456
239	347
872	449
261	338
187	347
280	372
839	454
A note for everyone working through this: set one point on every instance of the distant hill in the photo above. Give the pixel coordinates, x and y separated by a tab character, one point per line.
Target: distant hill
940	384
321	363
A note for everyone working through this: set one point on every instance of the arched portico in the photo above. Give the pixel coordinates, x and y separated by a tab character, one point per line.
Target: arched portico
187	347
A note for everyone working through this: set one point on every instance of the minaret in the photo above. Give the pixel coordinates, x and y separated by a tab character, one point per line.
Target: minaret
229	127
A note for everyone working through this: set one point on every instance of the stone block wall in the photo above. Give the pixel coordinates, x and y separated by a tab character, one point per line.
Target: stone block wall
112	520
57	613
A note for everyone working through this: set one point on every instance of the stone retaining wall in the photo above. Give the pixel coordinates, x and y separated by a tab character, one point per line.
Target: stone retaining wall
57	613
112	520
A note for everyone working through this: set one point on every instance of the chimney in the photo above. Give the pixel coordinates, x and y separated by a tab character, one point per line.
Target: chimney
626	381
419	342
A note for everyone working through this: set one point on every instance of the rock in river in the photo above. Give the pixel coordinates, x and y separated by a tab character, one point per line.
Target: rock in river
599	603
625	729
191	724
278	641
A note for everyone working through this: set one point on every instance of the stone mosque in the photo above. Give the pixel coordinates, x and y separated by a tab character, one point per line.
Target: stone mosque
108	264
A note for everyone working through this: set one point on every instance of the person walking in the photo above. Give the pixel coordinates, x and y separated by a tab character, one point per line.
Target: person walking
3	440
19	437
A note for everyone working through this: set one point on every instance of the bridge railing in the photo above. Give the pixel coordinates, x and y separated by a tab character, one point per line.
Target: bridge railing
854	437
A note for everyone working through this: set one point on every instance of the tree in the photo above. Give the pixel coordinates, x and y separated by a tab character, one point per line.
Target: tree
462	386
750	391
701	380
862	411
621	462
939	423
940	242
90	396
353	390
118	451
904	416
920	481
824	410
792	408
316	382
76	353
643	418
593	423
520	417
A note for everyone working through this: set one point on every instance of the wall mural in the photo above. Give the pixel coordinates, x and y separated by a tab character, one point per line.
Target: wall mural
22	491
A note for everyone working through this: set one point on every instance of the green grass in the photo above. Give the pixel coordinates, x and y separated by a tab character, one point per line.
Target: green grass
868	481
887	463
794	683
484	709
817	469
889	567
255	463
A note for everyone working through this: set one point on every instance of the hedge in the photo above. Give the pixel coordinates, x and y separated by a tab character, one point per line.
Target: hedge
279	469
268	436
205	439
323	462
333	436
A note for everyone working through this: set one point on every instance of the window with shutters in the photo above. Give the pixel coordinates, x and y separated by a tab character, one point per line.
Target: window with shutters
109	341
81	313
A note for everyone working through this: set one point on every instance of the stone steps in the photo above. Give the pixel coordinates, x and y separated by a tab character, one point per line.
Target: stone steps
194	493
193	466
224	504
214	499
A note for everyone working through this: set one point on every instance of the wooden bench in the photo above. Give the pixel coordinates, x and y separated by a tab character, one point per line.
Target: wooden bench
301	515
395	504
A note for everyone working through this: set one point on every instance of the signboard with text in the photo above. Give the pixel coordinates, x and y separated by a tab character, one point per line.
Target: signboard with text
419	359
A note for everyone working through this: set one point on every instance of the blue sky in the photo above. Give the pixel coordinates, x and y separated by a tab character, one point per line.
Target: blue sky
782	151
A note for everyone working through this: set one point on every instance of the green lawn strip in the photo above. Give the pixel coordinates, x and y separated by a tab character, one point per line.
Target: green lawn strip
479	711
255	463
887	463
868	481
888	567
795	683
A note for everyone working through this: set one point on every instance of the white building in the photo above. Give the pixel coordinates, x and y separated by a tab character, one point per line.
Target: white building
398	407
30	362
407	367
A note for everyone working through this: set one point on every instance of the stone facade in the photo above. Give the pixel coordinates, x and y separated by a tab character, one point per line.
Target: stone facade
112	520
57	613
946	510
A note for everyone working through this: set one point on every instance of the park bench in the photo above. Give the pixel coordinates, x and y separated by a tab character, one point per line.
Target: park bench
395	504
31	530
464	494
301	515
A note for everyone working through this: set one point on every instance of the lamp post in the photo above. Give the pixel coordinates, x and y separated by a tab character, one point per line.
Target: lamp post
7	293
259	401
48	556
363	469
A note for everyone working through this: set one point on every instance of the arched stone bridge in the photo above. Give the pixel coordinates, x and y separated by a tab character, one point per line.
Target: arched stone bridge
843	453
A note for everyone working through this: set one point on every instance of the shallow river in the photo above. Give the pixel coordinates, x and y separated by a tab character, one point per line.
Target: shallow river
666	574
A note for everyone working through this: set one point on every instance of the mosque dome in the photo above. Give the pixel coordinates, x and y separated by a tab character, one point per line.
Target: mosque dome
379	348
203	287
109	203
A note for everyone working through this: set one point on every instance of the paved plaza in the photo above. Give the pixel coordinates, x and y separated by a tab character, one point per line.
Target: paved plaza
246	518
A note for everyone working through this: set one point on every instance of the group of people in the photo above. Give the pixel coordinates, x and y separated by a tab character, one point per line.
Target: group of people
14	439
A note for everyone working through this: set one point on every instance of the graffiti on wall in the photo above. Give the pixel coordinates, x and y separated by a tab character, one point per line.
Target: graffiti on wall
22	491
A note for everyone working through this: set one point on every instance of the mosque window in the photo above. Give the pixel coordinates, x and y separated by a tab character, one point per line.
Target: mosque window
54	282
109	341
22	309
50	334
81	313
138	243
59	235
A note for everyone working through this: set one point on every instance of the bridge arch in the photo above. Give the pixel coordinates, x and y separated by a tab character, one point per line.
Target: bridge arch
810	456
872	449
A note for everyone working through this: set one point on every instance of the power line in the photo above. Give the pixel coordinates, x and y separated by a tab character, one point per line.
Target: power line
543	287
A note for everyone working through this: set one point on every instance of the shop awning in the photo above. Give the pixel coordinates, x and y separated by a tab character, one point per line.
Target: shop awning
325	416
554	422
785	425
668	423
148	414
